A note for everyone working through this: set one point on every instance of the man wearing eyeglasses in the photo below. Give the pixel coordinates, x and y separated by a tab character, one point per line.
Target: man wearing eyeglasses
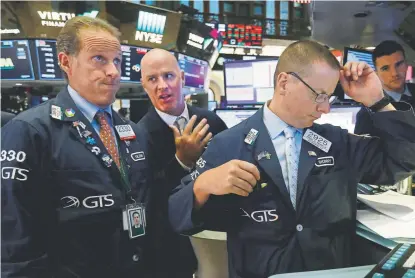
284	188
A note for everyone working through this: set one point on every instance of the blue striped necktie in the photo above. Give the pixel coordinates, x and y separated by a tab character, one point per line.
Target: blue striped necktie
292	158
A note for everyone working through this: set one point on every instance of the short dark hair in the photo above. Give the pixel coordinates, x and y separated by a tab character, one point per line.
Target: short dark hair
386	48
299	56
68	38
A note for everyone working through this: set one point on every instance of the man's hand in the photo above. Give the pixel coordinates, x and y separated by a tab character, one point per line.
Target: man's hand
360	82
234	177
190	144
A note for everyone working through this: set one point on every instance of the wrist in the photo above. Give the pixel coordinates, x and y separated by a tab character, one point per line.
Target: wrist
374	100
200	193
380	105
184	161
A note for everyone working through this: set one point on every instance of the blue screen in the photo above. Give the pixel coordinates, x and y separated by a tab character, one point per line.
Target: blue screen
359	56
16	63
195	71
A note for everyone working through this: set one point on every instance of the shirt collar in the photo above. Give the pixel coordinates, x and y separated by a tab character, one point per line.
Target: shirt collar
273	123
397	96
88	109
170	119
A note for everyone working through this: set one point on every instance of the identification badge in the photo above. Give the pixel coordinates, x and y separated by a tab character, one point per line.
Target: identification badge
138	156
125	132
251	137
317	140
325	161
56	112
134	220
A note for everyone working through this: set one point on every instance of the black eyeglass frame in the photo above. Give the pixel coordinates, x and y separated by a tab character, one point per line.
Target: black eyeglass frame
320	98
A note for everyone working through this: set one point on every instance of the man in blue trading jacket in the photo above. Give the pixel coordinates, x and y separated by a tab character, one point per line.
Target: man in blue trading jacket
73	170
391	67
173	153
287	187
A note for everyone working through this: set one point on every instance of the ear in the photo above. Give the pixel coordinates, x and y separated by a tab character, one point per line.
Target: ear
65	63
183	78
281	83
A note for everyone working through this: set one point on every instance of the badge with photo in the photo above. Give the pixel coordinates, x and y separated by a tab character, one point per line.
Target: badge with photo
136	221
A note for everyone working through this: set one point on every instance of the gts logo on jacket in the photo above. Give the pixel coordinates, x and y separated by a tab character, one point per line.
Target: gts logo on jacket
98	201
262	215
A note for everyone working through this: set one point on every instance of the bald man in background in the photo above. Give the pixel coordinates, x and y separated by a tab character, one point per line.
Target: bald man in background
178	134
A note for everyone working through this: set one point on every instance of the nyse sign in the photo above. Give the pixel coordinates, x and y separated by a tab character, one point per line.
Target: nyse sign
150	27
148	37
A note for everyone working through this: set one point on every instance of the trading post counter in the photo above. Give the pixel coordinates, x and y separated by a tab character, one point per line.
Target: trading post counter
369	250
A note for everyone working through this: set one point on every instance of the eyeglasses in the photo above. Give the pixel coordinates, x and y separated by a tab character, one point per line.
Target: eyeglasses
320	98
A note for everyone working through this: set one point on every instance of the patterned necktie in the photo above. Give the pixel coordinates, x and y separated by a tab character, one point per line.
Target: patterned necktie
180	123
292	157
107	137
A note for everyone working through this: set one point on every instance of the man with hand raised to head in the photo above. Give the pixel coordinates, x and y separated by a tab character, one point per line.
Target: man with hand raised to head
283	187
177	136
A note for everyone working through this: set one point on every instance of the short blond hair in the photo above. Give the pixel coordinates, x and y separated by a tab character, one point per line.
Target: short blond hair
300	56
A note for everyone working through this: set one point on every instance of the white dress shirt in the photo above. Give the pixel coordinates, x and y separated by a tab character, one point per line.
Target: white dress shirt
169	120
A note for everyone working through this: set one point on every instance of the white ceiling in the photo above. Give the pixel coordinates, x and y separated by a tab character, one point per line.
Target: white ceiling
333	23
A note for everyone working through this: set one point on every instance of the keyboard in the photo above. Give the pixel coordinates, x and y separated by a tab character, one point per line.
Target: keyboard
399	263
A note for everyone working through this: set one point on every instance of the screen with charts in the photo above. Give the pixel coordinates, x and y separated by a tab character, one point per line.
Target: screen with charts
47	60
232	117
16	62
195	71
343	116
131	63
358	55
249	81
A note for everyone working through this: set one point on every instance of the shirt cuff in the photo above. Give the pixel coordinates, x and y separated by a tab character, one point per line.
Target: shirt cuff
182	164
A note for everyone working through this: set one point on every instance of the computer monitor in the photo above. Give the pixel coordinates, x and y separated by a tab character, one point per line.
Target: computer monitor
233	116
47	60
212	105
131	63
195	71
249	81
16	60
357	55
343	116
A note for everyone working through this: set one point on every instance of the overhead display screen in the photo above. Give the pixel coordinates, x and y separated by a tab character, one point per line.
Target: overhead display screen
195	71
47	60
131	63
144	25
243	35
16	63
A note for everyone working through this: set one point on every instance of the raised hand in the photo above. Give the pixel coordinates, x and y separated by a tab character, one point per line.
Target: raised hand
361	83
190	144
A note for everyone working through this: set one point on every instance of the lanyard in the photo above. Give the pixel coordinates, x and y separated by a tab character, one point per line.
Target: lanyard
124	176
